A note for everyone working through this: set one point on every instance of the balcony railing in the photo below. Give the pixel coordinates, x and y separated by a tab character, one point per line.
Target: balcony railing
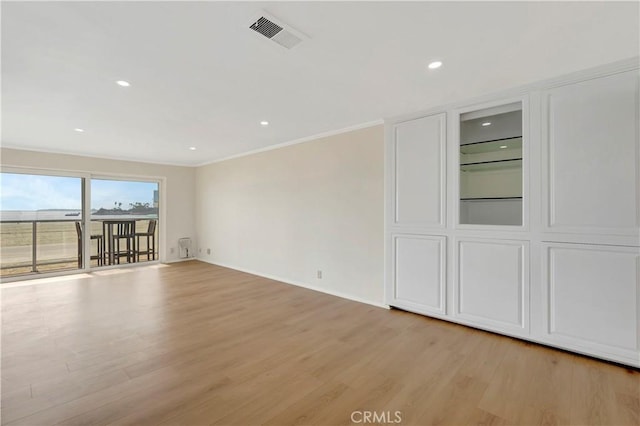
38	246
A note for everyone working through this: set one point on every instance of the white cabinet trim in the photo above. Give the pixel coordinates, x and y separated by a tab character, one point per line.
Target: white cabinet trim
522	327
562	339
441	222
549	223
395	301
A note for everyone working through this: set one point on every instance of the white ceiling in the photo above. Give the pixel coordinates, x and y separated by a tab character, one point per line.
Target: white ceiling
199	77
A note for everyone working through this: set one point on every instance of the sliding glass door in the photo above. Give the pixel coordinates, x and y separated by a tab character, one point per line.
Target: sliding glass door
124	218
40	218
43	222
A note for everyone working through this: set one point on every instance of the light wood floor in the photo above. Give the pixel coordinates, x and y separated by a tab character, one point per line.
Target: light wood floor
196	344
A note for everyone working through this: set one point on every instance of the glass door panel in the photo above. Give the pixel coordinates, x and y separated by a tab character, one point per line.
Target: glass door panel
124	221
40	223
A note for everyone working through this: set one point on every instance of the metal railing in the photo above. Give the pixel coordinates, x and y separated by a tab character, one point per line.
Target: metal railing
63	242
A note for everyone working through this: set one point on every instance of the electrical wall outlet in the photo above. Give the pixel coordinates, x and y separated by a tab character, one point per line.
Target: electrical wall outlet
172	250
319	274
208	251
199	250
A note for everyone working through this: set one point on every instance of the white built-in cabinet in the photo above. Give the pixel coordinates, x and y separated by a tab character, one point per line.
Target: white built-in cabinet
520	213
418	153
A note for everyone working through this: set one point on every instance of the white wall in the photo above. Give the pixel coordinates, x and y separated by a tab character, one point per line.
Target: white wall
289	212
179	192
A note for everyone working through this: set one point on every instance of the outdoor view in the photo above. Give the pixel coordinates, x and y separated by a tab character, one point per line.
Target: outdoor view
41	226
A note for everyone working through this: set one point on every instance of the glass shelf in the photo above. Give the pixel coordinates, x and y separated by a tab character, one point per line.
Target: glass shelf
485	166
490	198
490	166
492	145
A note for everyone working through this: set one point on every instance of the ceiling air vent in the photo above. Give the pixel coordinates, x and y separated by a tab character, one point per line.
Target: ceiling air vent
276	31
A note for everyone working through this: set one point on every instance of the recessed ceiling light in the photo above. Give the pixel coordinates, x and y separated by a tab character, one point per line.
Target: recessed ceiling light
264	123
503	146
486	123
435	64
79	130
192	148
123	83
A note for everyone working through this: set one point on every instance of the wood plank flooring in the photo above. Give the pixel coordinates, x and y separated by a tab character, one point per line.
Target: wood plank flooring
197	344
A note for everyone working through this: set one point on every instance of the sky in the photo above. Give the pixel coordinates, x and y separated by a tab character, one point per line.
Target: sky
38	192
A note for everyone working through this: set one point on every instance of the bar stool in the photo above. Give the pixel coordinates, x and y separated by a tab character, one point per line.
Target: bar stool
126	231
115	231
99	256
151	241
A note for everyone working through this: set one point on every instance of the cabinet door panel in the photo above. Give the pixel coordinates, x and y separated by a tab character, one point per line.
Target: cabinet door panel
419	149
591	154
592	294
420	272
492	282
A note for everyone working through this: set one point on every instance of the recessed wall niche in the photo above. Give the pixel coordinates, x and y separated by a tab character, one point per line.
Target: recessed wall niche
491	166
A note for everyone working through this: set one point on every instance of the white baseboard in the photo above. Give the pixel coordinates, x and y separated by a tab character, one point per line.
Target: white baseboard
300	284
181	259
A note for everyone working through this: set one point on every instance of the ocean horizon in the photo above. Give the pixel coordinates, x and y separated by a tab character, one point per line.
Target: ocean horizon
63	215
